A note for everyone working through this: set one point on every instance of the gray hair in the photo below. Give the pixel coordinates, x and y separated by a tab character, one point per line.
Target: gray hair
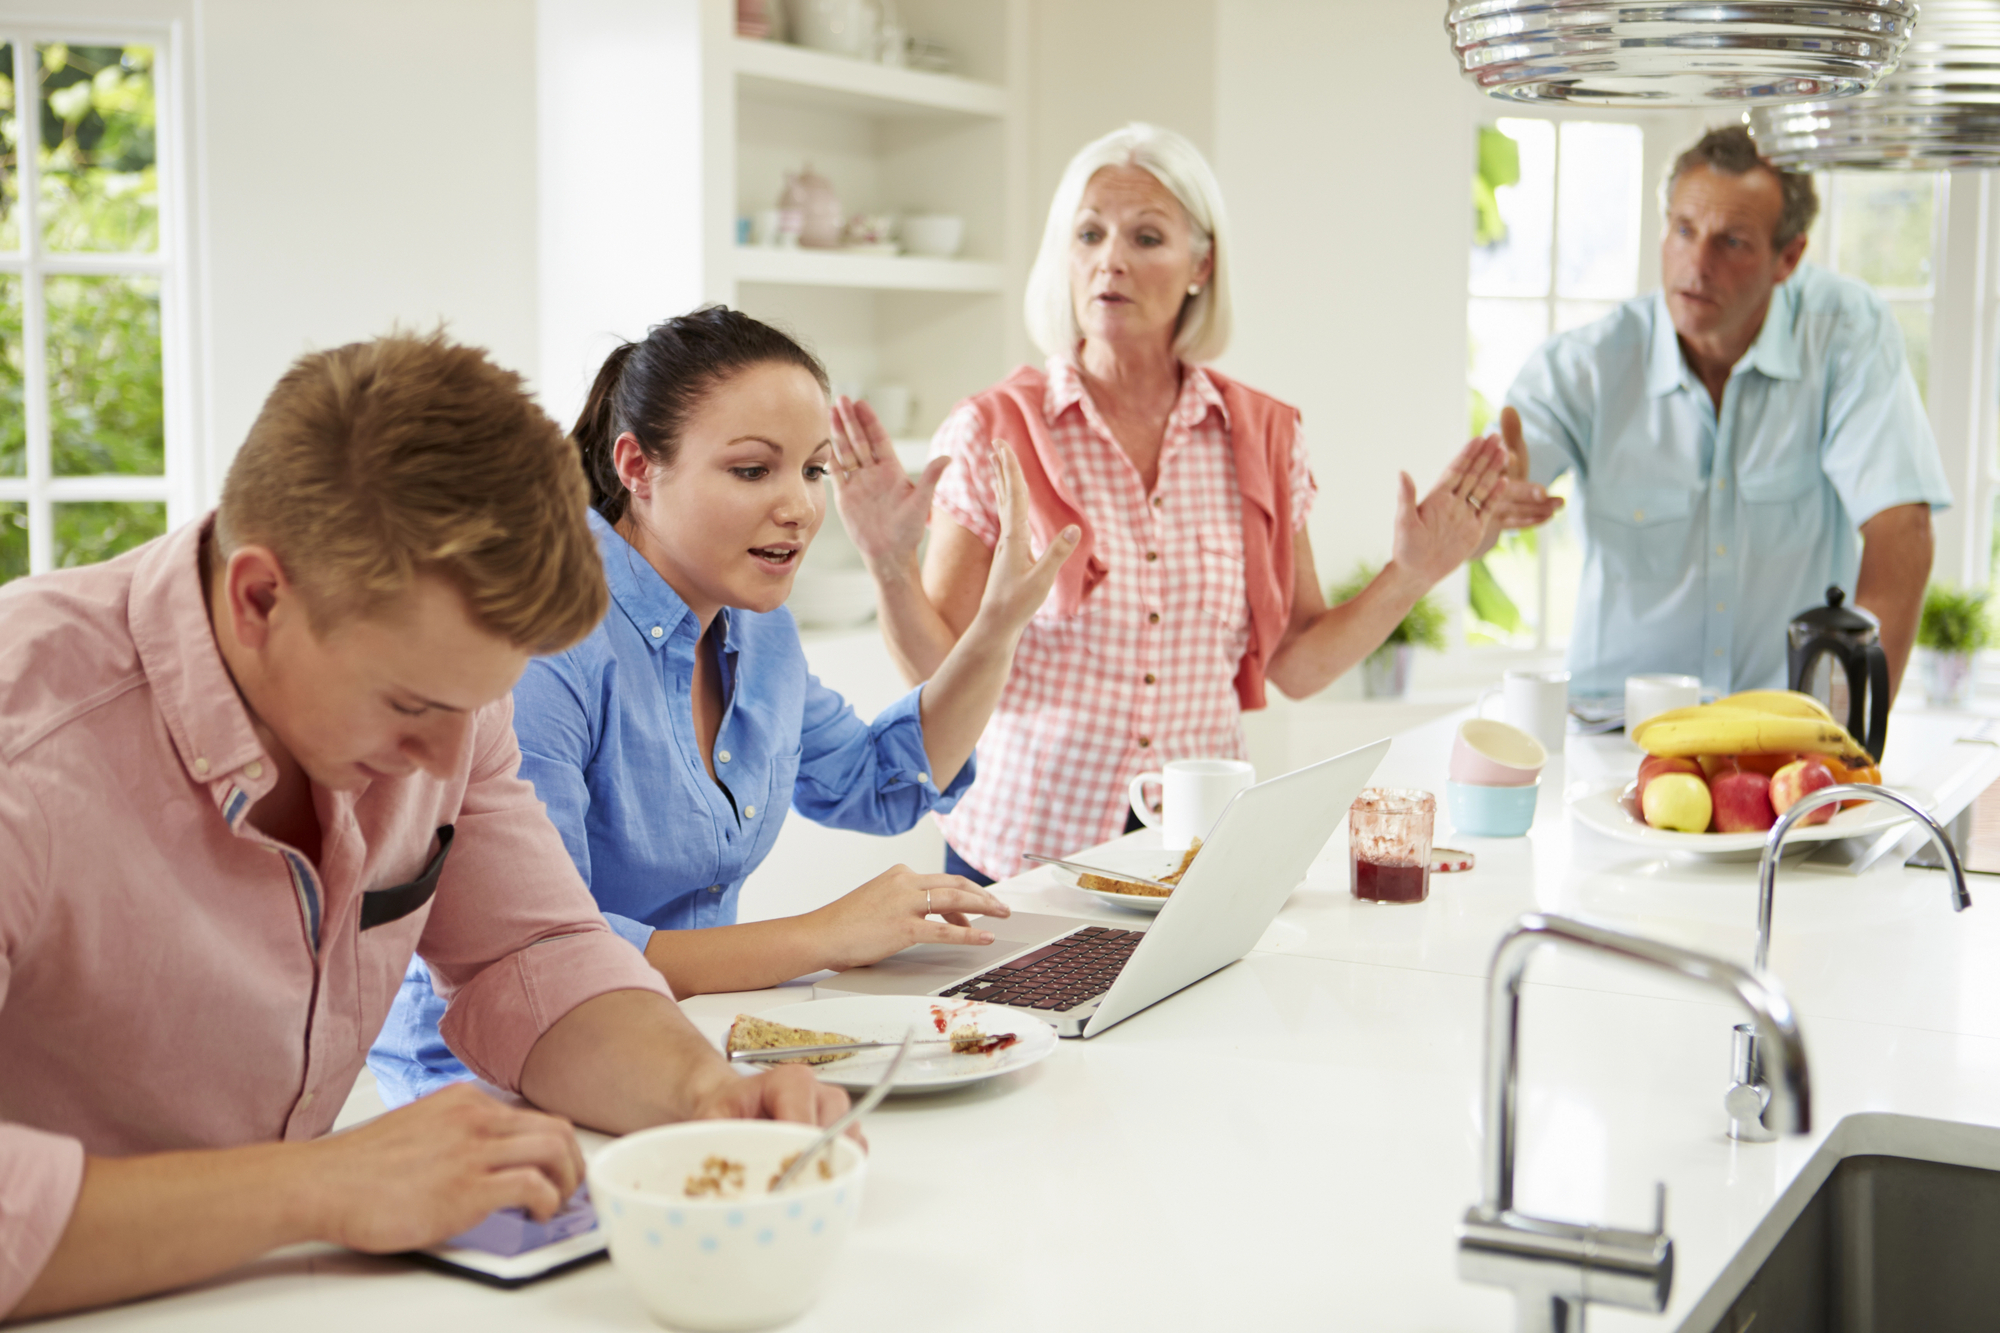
1731	151
1203	331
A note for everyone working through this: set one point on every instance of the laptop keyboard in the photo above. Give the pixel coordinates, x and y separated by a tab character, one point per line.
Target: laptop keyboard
1075	969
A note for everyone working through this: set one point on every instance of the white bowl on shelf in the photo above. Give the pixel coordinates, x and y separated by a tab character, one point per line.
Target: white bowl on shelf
832	598
933	235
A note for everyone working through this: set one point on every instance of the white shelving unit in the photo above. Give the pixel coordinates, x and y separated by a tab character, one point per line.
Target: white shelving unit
882	273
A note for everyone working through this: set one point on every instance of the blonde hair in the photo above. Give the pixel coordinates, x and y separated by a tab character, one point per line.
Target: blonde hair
376	462
1203	331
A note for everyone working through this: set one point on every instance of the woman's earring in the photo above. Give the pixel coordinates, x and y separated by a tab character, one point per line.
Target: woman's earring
1194	289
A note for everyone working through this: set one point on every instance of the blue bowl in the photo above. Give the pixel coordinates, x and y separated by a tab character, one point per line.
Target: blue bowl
1491	812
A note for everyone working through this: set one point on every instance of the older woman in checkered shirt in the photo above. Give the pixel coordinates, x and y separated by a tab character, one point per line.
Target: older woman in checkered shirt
1194	581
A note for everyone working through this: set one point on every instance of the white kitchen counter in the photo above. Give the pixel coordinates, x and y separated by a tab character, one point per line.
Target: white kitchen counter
1290	1143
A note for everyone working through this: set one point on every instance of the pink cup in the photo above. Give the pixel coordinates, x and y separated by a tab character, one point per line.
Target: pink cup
1487	753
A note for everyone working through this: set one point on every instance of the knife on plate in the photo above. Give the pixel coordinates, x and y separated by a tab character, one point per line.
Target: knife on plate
1082	869
843	1048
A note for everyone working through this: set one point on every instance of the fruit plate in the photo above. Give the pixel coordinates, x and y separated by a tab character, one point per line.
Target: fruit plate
1599	806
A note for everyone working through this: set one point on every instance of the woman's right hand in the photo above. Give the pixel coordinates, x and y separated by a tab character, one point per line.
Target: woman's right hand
884	511
893	911
1016	582
1445	530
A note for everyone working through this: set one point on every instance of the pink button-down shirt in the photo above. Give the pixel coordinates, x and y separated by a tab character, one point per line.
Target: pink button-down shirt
172	978
1145	671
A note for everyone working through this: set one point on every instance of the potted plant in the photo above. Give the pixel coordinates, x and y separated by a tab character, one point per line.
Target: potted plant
1954	626
1385	674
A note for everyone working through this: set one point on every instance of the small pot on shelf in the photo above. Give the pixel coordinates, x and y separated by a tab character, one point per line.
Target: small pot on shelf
1949	677
1385	674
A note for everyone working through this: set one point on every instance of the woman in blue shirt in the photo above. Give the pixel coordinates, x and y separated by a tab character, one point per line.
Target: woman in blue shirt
668	745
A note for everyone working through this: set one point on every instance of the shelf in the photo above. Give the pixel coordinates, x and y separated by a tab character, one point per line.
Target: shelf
831	268
777	71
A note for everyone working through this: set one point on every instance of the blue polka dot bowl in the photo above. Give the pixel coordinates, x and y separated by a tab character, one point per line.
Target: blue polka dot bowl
728	1255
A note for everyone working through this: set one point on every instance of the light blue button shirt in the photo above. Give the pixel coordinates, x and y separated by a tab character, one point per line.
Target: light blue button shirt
607	737
1704	533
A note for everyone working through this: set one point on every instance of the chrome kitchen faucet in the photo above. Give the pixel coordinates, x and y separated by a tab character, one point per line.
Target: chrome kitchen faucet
1557	1268
1749	1095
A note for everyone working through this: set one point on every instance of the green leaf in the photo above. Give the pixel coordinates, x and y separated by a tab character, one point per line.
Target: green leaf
1490	601
1954	620
1423	626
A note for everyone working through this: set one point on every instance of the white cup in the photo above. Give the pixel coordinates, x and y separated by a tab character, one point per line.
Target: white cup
1649	696
1192	795
935	234
1535	701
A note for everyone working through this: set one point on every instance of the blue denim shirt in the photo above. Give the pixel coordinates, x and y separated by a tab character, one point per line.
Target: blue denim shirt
1705	532
607	738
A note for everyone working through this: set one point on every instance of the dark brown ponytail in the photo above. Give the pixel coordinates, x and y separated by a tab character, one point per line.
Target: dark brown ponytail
651	387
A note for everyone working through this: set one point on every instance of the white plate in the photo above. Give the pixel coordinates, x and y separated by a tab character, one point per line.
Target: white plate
929	1068
1145	862
1599	807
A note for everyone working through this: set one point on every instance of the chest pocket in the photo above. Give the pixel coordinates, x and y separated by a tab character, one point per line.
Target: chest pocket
1781	483
1224	593
391	921
1646	525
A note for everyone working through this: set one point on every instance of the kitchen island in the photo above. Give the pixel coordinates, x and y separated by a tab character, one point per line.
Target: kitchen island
1291	1142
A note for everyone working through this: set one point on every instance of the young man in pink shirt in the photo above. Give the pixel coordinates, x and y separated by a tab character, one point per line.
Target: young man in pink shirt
245	772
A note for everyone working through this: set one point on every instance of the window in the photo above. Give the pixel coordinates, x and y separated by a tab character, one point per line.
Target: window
1560	210
1881	227
88	300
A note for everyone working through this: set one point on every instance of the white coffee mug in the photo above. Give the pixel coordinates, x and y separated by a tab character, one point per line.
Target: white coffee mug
1649	696
1535	701
1192	795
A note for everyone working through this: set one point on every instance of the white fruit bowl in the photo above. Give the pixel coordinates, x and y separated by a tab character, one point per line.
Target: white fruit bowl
1600	807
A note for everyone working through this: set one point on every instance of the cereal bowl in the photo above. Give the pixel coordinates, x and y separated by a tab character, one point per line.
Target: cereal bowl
735	1256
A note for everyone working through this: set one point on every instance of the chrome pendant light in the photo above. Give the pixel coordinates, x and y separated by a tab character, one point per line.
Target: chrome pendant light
1608	53
1940	109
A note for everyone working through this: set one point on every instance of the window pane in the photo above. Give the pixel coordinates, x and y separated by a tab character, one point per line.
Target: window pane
1518	263
88	532
13	540
99	182
1884	228
13	404
10	161
1915	319
104	375
1598	212
1504	334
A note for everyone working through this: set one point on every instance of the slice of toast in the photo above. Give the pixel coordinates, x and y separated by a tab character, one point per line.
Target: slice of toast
751	1033
1106	884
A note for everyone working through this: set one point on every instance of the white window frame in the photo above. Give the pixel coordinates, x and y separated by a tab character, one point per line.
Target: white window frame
33	264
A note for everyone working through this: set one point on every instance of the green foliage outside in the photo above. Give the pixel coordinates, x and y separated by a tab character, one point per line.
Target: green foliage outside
105	378
1954	620
99	163
13	382
1423	626
13	540
1498	164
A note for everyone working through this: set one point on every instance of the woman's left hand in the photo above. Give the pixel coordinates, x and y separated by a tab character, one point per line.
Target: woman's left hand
1438	535
884	510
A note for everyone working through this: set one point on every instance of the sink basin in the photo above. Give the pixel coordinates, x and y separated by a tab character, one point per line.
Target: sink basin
1891	1226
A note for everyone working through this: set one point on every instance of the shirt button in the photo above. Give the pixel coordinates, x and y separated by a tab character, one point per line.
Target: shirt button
1722	550
715	888
923	777
749	812
1718	652
254	770
1152	555
1145	741
1152	617
1722	606
1159	501
659	633
201	766
722	757
1152	679
1638	516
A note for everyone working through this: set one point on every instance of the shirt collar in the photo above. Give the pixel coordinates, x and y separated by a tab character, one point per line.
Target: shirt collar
196	696
1198	395
647	600
1775	353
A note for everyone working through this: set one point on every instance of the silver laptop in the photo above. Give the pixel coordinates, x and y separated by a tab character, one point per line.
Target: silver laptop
1084	976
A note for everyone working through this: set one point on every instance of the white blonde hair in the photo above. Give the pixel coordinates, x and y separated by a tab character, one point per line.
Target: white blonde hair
1203	331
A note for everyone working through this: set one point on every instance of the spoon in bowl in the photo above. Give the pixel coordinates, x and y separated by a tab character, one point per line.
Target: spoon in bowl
869	1101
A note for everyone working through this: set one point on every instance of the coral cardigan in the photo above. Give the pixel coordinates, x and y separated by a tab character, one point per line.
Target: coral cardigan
1261	431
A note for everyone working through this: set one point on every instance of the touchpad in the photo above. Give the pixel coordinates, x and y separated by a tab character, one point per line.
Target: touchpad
925	967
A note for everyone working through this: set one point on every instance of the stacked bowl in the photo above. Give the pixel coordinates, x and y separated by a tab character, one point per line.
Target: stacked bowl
1496	777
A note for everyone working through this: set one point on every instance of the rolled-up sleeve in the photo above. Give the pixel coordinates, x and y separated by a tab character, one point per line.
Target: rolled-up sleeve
965	492
514	941
1555	411
872	777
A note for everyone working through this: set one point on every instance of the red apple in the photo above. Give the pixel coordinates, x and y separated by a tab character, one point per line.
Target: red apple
1797	779
1767	764
1655	764
1742	802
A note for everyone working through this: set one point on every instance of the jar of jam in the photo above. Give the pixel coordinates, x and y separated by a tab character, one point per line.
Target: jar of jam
1389	844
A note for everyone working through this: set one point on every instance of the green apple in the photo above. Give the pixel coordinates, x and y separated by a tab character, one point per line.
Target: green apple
1678	801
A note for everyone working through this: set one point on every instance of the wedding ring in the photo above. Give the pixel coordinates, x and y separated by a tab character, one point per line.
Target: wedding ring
1477	507
927	902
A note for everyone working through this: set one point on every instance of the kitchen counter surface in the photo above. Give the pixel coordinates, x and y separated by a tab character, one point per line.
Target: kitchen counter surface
1290	1143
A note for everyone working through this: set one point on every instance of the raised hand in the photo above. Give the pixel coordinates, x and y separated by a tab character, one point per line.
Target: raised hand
1434	537
1519	503
1016	582
884	511
894	910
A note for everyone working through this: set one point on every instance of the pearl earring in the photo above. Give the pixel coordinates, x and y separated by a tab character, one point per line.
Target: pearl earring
1194	289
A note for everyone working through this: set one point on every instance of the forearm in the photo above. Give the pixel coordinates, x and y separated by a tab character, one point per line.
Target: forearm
147	1224
750	956
1896	553
1341	636
959	699
623	1061
918	638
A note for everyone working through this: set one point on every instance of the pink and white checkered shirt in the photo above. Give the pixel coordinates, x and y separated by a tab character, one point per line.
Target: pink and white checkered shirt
1145	671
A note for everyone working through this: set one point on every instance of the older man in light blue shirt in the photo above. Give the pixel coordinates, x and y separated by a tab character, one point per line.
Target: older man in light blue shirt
1741	440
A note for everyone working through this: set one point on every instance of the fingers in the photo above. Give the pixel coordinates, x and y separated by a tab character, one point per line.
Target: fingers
1042	574
938	932
966	897
1010	491
525	1188
1406	498
866	441
933	473
794	1094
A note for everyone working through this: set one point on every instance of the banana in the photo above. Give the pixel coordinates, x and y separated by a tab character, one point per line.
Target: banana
1739	732
1784	703
1715	712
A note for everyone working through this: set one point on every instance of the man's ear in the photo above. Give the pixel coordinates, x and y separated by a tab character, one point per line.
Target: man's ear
253	587
1789	257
